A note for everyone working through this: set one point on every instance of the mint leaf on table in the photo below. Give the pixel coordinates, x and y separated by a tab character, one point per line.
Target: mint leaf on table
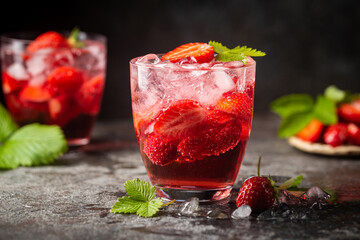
292	104
238	53
140	200
30	145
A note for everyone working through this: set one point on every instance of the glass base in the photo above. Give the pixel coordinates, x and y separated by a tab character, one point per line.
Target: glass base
204	195
76	142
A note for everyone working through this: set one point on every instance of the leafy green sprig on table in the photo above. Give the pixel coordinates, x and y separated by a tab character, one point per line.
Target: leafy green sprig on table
297	110
30	145
238	53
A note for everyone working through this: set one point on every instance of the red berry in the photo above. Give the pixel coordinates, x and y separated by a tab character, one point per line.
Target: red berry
350	112
220	133
236	103
90	94
312	131
202	52
48	40
67	79
159	150
336	134
62	109
36	94
353	134
10	84
258	193
180	119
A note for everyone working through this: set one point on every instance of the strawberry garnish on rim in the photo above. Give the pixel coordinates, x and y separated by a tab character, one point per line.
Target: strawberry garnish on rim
202	52
48	40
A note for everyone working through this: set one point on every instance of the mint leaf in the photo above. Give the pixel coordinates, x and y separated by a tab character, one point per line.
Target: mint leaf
141	199
73	39
294	123
291	183
32	145
248	51
228	57
334	94
218	47
325	110
7	125
292	104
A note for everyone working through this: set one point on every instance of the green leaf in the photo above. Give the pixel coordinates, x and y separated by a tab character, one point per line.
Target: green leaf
228	57
126	205
73	39
7	125
148	209
294	123
140	190
335	94
291	183
218	47
248	51
32	145
292	104
325	110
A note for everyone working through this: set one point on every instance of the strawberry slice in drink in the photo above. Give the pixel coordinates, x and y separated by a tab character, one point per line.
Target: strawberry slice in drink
89	95
48	40
159	150
62	110
181	119
36	94
10	84
202	52
236	103
66	79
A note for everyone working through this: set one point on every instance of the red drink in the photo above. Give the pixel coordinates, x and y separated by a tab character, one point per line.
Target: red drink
54	80
192	122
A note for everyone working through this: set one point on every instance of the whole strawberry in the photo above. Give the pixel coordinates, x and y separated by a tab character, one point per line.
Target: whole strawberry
257	192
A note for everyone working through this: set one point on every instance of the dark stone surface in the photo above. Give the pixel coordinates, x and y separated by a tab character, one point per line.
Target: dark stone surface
71	199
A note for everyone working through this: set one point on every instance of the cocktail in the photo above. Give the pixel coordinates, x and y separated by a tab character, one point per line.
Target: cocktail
192	116
55	80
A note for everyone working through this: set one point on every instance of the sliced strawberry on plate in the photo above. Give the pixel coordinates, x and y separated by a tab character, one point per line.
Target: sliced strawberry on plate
62	109
236	103
202	52
336	134
67	79
37	94
10	84
180	119
89	95
48	40
350	112
159	150
353	134
312	131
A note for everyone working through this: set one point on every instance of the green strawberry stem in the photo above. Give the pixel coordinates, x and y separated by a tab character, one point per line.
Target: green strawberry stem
259	164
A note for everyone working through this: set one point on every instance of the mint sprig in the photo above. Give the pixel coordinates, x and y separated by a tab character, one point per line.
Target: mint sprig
238	53
140	200
30	145
73	38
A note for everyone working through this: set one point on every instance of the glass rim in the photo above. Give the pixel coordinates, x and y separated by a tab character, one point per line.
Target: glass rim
222	68
16	35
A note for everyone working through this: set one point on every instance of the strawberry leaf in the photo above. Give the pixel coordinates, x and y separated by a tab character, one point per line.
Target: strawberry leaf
7	125
291	183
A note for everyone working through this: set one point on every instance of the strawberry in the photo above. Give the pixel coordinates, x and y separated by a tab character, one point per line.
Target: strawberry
159	150
236	103
62	110
312	131
10	84
89	95
180	119
335	134
37	94
67	79
48	40
257	192
220	133
202	52
353	134
350	112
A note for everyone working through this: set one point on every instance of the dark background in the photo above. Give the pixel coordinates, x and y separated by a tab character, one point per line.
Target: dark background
309	44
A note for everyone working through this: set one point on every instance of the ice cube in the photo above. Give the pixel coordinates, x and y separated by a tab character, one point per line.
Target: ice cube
242	212
234	64
18	71
315	197
288	198
187	60
283	212
40	62
223	81
189	207
38	80
148	59
216	214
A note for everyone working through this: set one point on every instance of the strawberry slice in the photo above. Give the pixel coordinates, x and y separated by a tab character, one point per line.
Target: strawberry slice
202	52
353	133
48	40
236	103
350	112
67	79
312	131
62	110
89	95
10	84
180	119
159	150
336	134
37	94
220	133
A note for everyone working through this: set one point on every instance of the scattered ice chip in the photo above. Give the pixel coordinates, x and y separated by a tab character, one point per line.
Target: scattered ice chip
18	71
283	212
189	207
315	197
286	197
148	59
216	214
241	212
